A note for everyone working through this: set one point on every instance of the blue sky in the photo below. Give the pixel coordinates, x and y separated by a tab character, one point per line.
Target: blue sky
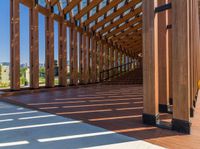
24	34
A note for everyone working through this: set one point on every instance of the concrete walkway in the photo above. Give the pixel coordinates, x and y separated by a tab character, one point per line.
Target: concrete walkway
22	128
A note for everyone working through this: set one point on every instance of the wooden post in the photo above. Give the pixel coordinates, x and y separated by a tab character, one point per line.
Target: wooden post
85	68
120	61
89	59
49	52
34	48
169	49
71	33
163	56
111	60
106	60
116	61
62	42
75	56
150	62
101	58
81	60
181	66
94	60
15	45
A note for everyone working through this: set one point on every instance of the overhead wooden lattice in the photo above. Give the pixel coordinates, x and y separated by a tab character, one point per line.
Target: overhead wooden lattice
117	21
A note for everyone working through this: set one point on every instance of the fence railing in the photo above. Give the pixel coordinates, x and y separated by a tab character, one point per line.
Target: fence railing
115	71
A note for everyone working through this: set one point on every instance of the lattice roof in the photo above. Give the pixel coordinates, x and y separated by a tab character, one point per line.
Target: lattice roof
118	22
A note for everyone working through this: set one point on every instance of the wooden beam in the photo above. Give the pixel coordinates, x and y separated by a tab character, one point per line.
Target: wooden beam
163	64
150	62
86	9
102	11
62	38
94	60
54	2
49	51
29	3
181	66
117	13
85	54
34	48
114	34
70	6
101	57
118	22
15	44
81	58
89	59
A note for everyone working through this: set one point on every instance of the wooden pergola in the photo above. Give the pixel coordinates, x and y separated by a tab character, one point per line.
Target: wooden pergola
164	32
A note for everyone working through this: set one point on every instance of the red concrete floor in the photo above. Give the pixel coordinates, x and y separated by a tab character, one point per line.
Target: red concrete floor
114	107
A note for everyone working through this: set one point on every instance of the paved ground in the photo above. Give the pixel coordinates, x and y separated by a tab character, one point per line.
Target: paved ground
22	128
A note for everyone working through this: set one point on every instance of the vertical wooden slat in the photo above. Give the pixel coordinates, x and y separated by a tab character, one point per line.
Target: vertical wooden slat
169	49
163	56
71	34
49	52
111	60
120	62
15	45
94	59
81	60
85	58
62	42
116	61
150	62
89	59
100	57
107	59
116	58
181	66
34	48
75	56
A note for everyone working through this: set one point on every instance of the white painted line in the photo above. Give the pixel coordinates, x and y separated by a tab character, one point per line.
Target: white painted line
39	125
35	117
135	144
17	113
6	120
75	136
13	143
20	108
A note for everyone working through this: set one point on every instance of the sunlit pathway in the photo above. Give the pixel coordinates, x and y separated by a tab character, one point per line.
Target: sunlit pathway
22	128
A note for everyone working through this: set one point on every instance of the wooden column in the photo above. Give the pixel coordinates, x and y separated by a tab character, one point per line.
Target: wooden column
192	57
101	57
120	62
49	52
106	59
34	48
81	59
111	59
85	68
71	34
169	49
75	57
62	52
150	62
89	59
181	66
14	45
163	56
116	58
94	60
